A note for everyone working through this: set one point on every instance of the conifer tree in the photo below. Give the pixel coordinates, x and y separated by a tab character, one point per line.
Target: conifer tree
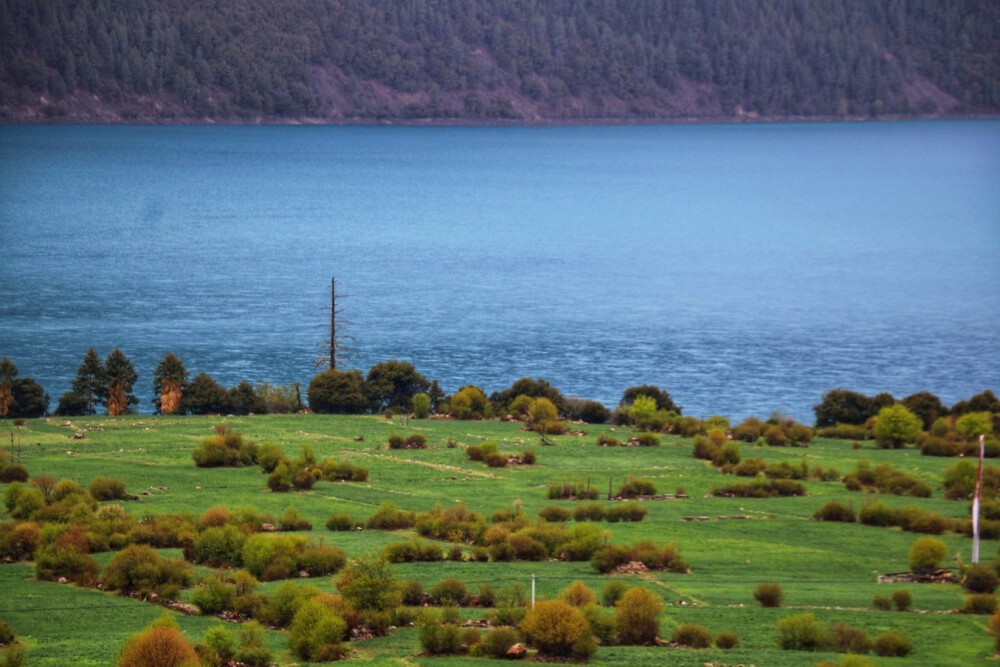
8	371
89	382
120	377
169	380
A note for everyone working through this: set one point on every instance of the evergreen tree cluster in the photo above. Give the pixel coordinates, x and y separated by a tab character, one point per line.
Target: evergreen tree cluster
482	59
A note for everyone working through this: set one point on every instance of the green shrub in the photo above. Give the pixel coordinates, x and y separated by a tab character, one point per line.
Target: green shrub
218	646
607	440
496	460
588	512
726	640
637	486
578	594
980	603
980	579
498	641
768	594
53	561
612	592
728	453
902	599
159	644
835	511
339	522
214	595
449	591
316	633
437	638
926	553
103	488
608	558
253	650
269	456
138	568
647	440
13	472
554	514
800	632
892	645
637	617
882	602
555	628
292	520
321	560
693	635
220	546
390	517
877	513
842	638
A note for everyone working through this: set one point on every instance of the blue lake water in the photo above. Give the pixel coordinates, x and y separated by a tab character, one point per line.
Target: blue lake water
744	269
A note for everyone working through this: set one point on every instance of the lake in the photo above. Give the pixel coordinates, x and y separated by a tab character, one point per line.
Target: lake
743	268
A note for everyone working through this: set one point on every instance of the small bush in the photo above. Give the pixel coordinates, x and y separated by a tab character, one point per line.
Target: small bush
292	520
980	603
316	632
108	489
637	486
321	560
726	640
800	632
13	472
902	599
554	514
835	511
161	644
498	641
449	591
842	638
588	512
927	553
607	440
768	594
578	594
693	635
647	440
980	579
339	522
496	460
612	592
555	627
637	618
882	602
892	645
877	513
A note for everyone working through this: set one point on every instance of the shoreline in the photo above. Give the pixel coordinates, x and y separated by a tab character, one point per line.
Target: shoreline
472	122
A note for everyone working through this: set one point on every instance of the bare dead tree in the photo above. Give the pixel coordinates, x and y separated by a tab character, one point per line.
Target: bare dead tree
334	349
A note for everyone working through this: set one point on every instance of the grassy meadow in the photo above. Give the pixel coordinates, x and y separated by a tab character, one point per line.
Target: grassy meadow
827	568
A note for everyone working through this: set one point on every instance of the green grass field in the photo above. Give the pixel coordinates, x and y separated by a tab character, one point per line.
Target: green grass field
824	567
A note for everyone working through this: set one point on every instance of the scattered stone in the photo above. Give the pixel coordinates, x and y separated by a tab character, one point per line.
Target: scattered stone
631	567
78	436
359	438
268	528
303	574
517	651
62	580
184	608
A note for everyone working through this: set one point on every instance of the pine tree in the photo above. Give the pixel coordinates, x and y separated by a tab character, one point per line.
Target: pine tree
169	379
8	371
120	377
89	382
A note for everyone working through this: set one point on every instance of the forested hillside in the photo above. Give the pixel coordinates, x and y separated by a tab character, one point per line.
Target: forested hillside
359	60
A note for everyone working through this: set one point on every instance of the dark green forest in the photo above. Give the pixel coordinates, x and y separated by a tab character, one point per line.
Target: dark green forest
363	60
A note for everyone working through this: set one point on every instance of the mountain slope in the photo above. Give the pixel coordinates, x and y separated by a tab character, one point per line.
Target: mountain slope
483	60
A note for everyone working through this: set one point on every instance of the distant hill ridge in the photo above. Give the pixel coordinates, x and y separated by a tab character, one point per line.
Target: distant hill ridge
495	60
